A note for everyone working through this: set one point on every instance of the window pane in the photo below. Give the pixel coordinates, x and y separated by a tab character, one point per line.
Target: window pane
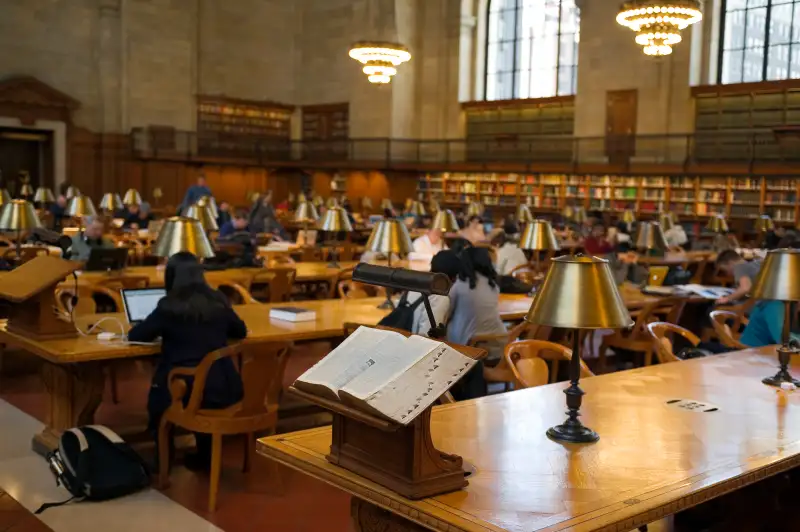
497	5
796	29
524	84
543	83
794	65
566	80
753	64
734	30
732	5
778	62
756	3
756	26
780	24
732	66
568	51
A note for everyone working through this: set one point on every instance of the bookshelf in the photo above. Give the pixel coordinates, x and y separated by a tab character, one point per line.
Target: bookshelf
219	115
739	197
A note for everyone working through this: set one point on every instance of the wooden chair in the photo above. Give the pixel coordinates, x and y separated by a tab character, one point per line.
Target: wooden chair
236	293
25	254
273	286
124	282
310	254
637	338
527	361
662	336
740	309
527	274
727	325
261	367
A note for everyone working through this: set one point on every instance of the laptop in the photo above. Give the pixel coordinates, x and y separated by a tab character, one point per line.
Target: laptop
657	275
106	259
140	302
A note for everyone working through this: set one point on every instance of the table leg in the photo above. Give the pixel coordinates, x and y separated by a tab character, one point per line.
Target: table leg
367	517
74	392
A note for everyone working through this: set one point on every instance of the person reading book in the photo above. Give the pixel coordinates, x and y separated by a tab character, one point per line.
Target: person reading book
386	374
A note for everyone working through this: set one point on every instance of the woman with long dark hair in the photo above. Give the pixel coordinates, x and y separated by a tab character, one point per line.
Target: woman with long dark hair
192	320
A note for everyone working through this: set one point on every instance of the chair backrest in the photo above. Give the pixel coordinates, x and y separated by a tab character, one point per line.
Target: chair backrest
669	307
663	336
236	293
726	324
527	360
124	282
278	283
262	367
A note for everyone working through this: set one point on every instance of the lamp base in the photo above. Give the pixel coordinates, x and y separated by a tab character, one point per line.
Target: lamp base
572	432
781	377
333	264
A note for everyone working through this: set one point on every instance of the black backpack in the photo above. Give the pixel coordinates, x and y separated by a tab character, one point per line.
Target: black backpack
402	317
94	463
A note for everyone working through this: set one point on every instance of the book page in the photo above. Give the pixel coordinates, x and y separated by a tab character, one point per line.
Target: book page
395	359
416	389
353	356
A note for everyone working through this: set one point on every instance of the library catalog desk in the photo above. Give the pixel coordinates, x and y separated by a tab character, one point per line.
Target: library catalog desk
652	459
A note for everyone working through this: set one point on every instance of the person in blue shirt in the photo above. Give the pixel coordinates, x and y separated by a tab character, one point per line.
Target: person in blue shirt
766	325
237	224
196	192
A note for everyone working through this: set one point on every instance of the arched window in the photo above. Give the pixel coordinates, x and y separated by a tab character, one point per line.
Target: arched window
760	40
532	48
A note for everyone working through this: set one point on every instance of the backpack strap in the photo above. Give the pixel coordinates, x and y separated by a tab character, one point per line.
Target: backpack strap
107	432
418	302
47	505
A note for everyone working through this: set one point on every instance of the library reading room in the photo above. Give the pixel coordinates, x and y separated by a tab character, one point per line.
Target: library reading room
226	226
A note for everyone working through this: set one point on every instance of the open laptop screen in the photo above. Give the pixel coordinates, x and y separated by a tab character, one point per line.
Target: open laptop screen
140	302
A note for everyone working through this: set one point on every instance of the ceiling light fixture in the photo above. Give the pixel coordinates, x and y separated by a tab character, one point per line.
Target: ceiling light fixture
658	23
380	59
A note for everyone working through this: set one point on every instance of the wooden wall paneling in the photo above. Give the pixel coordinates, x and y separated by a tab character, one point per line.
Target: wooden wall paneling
321	182
402	185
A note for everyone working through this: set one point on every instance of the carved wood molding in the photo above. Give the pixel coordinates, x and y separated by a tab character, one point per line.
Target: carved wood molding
30	99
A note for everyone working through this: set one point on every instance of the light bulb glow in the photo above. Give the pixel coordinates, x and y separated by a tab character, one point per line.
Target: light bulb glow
658	23
380	59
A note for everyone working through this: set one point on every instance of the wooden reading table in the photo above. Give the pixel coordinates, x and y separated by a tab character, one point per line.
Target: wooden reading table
652	459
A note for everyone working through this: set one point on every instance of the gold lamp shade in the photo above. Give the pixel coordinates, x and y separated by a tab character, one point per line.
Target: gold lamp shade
19	215
386	203
111	202
579	293
306	213
434	207
650	236
667	221
180	233
416	208
524	215
538	236
80	206
764	223
203	214
779	278
445	221
301	198
475	209
158	193
332	203
567	212
318	201
717	224
390	236
5	197
366	203
132	197
44	195
26	190
72	191
290	198
210	203
579	215
628	216
336	219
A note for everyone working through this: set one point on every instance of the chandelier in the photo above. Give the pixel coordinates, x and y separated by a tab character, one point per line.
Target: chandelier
658	23
380	59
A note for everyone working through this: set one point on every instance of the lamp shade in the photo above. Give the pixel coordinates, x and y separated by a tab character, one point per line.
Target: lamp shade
111	202
568	212
717	224
203	215
19	215
26	190
446	221
132	197
764	223
301	198
182	234
386	203
628	216
416	208
366	203
579	293
158	193
306	213
80	206
779	278
332	203
434	207
390	236
650	236
44	195
524	215
667	221
579	215
5	197
211	204
72	191
290	198
336	219
475	209
538	236
318	201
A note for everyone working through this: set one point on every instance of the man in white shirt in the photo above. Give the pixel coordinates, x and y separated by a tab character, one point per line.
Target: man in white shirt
509	256
676	236
429	244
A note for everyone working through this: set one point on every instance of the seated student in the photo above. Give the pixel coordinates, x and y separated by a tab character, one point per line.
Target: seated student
138	217
773	237
448	263
743	272
724	242
131	217
474	230
766	325
429	244
597	243
676	236
223	213
58	210
474	310
509	256
90	238
237	224
622	238
192	320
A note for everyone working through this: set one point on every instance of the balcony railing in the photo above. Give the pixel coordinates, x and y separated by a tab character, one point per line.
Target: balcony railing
719	147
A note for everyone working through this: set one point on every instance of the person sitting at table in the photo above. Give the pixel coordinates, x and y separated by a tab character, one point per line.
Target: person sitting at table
237	224
92	237
509	256
743	272
448	263
137	217
676	236
597	243
475	310
192	320
474	230
622	238
765	325
429	244
58	210
195	192
223	213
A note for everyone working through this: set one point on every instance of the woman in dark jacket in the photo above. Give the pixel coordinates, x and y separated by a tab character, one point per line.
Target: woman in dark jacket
192	320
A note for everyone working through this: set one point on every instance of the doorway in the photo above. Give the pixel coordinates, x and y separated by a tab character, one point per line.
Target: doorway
23	151
621	116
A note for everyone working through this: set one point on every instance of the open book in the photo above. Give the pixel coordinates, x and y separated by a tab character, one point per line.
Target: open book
386	374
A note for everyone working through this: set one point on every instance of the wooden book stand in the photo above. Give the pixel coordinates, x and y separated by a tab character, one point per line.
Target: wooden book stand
399	457
31	290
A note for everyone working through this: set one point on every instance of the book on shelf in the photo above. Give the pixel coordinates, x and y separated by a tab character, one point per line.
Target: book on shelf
386	374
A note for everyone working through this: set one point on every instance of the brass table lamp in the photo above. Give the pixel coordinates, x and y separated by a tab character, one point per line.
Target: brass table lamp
111	202
80	207
19	215
318	201
335	221
203	214
72	191
538	236
332	203
524	215
578	293
26	191
386	203
416	208
779	280
717	224
434	207
764	223
157	195
306	214
650	238
475	209
446	221
366	204
389	236
5	197
182	234
211	204
579	215
132	197
667	221
44	195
